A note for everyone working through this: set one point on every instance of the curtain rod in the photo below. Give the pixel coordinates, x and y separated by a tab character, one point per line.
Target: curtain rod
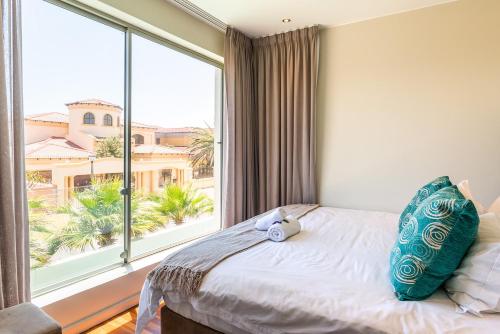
199	13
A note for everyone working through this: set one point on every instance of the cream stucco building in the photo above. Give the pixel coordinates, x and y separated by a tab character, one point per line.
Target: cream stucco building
61	148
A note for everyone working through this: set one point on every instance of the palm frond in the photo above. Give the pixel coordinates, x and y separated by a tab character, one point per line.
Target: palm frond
178	203
201	149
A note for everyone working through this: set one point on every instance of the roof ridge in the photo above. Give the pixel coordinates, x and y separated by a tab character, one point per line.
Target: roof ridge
94	101
46	142
46	113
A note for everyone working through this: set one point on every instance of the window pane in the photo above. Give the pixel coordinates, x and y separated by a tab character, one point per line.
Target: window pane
175	188
73	96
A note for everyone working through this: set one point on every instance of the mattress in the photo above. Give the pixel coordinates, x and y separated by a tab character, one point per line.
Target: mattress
332	277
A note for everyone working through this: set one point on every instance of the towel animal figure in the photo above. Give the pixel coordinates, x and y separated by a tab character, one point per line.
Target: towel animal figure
264	223
284	230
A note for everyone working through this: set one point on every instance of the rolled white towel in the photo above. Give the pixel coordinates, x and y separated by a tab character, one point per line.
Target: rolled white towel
265	222
280	232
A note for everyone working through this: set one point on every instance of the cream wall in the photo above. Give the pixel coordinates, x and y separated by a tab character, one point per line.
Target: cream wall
78	131
38	131
167	20
405	98
148	134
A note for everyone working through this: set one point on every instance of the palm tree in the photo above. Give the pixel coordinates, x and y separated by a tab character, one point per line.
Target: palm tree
109	147
201	149
96	218
39	232
144	217
178	203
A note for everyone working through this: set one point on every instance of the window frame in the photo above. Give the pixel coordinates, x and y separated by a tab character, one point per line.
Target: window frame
89	118
129	30
107	120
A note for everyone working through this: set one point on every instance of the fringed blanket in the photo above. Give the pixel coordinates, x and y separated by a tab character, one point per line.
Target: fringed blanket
184	270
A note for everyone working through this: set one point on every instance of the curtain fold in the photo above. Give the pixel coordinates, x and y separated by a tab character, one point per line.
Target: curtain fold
271	121
14	249
239	166
286	71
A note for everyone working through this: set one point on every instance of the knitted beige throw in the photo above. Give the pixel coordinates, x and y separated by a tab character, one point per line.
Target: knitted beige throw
183	271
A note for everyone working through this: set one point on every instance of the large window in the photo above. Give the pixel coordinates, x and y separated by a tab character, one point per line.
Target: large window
115	191
173	100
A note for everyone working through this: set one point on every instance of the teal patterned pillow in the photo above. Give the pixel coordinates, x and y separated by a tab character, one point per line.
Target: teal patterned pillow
432	244
420	196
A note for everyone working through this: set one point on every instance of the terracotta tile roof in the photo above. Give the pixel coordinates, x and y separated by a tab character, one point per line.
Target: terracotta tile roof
95	102
55	148
56	117
156	149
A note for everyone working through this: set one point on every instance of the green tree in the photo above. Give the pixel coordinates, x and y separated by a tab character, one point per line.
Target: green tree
144	217
96	218
201	149
178	203
109	147
39	232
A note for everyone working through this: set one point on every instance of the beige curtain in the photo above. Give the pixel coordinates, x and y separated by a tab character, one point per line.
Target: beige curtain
286	72
271	121
239	167
14	250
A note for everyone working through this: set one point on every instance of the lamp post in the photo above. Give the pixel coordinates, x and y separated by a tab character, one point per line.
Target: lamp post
92	158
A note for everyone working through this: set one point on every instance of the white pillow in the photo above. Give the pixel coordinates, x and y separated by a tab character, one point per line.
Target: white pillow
464	188
475	285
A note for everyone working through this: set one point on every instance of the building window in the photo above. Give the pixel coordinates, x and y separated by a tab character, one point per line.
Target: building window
88	118
107	120
138	139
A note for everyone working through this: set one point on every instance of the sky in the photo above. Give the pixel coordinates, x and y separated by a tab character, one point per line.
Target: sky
68	57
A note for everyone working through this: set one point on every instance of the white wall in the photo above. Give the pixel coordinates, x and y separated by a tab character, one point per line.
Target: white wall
405	98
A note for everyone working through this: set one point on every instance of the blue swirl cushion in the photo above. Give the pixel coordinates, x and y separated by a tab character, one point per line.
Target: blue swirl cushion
432	244
424	192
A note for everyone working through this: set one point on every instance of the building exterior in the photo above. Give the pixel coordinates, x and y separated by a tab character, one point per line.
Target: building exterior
61	150
178	137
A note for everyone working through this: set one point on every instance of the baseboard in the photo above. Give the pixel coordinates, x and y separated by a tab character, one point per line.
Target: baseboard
102	315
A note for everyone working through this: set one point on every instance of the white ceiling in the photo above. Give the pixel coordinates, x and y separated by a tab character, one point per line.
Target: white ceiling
263	17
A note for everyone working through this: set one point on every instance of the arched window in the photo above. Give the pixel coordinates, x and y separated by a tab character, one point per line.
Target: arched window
88	118
107	120
139	139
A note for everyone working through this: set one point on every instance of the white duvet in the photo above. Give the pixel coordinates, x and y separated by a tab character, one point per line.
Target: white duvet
331	277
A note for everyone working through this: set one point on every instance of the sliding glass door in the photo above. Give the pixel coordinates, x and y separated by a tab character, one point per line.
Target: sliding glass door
122	143
73	103
173	128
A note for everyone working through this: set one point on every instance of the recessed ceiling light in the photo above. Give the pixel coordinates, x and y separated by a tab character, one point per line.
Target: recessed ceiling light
286	20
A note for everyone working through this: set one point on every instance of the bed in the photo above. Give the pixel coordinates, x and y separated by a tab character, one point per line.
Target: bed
330	278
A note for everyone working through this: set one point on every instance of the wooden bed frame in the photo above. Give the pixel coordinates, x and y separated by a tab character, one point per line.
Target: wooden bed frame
174	323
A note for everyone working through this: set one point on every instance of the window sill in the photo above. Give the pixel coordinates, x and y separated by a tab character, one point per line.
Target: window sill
86	303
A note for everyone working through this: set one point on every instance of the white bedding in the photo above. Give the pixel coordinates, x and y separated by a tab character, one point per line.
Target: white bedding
331	277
